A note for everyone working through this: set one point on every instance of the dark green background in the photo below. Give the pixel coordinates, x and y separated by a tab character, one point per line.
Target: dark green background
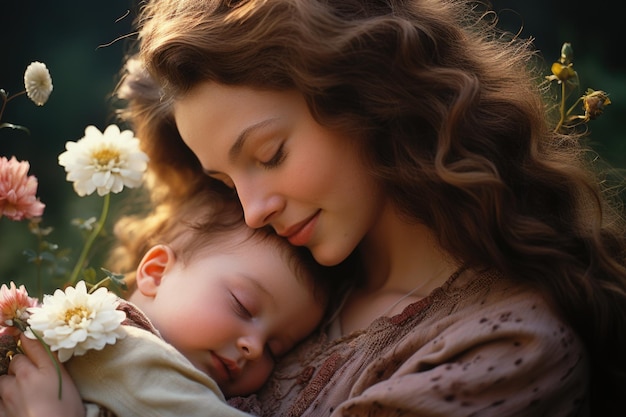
67	36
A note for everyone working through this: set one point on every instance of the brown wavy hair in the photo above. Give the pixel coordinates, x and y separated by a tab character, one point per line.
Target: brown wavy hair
455	127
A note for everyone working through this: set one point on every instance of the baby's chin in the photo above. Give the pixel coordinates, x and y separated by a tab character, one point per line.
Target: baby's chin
247	383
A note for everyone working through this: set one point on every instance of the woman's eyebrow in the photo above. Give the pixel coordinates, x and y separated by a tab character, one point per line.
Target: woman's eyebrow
235	149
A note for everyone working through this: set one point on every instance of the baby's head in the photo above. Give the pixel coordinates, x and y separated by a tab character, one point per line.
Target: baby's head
230	298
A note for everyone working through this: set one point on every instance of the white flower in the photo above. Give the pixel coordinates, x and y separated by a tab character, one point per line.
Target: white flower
104	161
74	321
38	83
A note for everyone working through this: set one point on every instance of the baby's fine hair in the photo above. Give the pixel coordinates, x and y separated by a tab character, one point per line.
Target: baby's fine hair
451	120
206	222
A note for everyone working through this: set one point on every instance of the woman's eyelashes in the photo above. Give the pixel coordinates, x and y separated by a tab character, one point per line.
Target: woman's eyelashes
276	159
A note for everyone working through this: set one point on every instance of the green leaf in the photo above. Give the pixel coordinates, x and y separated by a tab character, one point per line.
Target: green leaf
116	279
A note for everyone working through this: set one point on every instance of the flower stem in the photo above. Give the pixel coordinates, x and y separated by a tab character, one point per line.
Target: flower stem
571	109
38	276
38	262
6	99
53	359
4	103
562	108
102	283
21	93
90	239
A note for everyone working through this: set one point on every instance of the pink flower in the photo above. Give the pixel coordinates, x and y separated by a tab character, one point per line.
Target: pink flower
14	305
17	191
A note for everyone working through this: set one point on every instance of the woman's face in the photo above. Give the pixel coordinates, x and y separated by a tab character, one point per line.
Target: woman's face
290	172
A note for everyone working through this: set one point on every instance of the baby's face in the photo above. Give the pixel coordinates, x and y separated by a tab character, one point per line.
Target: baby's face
234	312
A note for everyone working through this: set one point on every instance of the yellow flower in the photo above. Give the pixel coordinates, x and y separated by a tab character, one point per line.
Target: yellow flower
562	73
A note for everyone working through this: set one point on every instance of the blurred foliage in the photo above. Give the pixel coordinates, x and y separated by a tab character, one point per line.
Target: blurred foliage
594	31
78	41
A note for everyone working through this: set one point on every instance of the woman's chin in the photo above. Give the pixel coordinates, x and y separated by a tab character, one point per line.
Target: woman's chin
328	256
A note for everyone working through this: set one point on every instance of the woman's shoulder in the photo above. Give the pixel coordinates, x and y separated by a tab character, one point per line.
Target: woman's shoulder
483	304
488	290
479	339
489	303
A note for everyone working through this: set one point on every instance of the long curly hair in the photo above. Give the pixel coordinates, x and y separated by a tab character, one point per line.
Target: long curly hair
454	126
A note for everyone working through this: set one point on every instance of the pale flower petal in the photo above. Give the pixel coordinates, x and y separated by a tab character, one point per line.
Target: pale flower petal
73	321
18	191
104	161
38	83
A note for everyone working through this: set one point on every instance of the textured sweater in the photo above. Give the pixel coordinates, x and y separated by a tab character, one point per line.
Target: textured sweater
480	345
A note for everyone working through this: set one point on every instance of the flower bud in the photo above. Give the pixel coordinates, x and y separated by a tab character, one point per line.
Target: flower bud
38	83
567	54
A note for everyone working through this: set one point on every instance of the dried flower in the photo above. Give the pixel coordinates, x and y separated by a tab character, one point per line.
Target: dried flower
18	191
105	162
73	321
38	83
14	305
594	103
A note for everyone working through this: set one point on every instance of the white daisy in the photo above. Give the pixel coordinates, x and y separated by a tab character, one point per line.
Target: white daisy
71	322
106	162
38	82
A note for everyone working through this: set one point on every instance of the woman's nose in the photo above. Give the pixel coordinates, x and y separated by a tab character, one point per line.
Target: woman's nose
259	205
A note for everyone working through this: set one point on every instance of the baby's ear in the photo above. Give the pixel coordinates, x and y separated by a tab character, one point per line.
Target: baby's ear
152	268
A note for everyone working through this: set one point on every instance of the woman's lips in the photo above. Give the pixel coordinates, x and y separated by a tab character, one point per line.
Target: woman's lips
301	234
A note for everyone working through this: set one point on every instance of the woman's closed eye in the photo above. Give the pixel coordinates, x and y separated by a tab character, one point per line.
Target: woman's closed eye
276	159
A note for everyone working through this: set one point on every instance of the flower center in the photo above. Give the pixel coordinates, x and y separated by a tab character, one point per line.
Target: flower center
105	156
76	315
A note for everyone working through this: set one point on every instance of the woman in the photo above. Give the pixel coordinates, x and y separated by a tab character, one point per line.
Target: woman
409	138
